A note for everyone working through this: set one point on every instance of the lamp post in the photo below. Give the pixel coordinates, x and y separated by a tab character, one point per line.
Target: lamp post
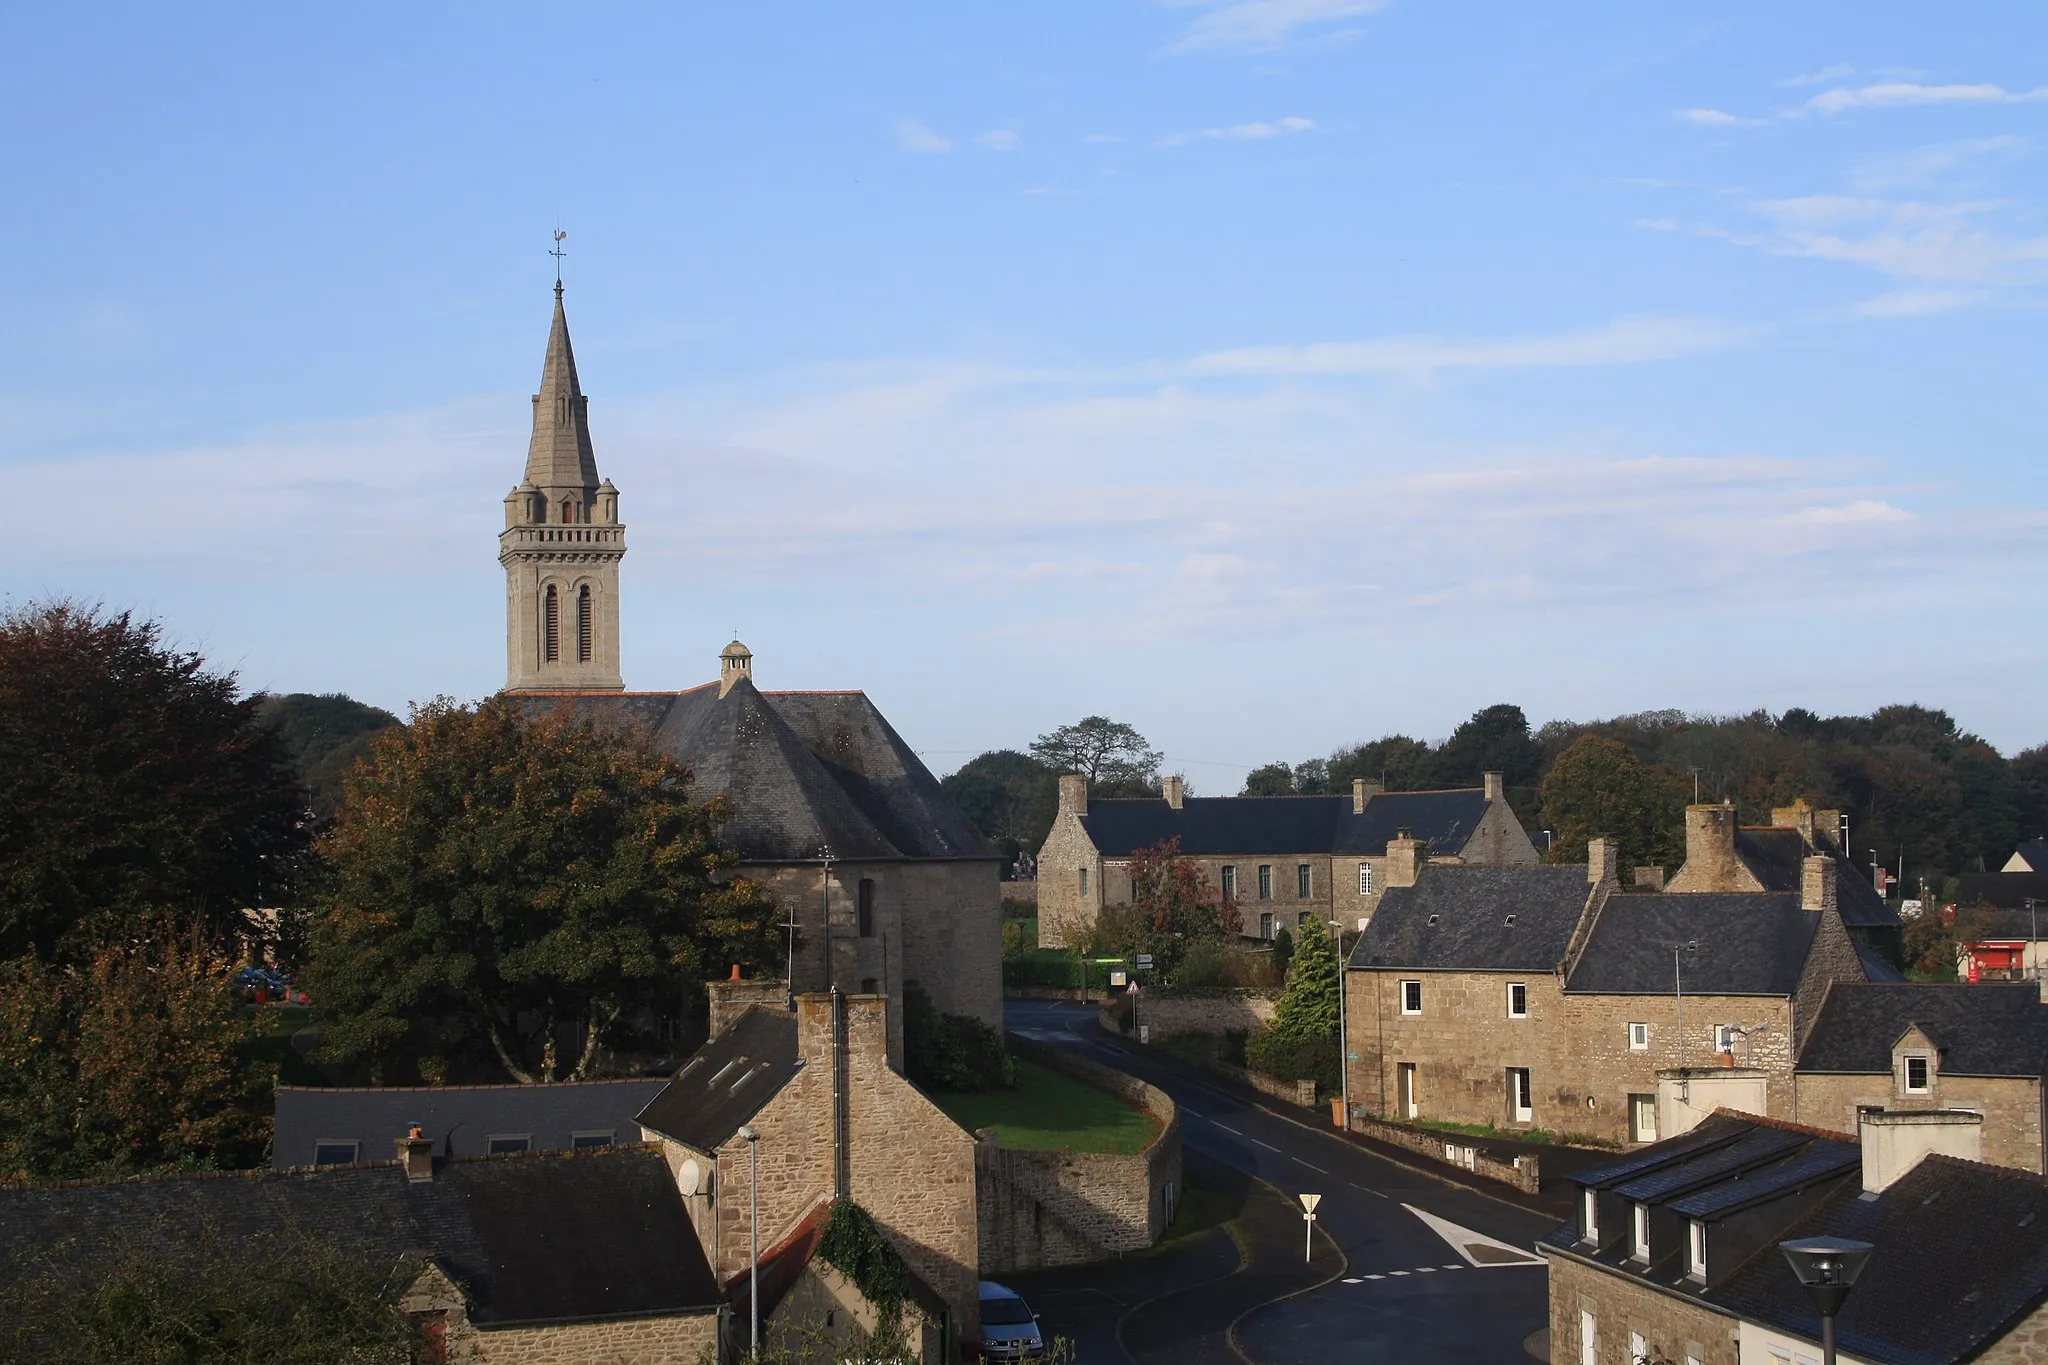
1828	1267
1343	1032
753	1141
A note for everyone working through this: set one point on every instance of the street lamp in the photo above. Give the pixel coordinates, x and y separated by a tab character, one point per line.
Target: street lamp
753	1141
1828	1267
1343	1032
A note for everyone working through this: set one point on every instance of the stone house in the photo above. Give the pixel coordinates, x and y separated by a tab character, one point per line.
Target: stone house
832	1120
1550	997
513	1260
1282	860
882	878
1672	1255
1931	1045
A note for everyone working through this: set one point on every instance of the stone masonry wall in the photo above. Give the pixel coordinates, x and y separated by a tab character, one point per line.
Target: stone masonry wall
1576	1048
2011	1107
1832	958
641	1341
2025	1344
1672	1327
1065	912
1177	1016
1047	1208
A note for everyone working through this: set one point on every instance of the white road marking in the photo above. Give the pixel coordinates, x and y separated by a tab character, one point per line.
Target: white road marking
1228	1129
1353	1279
1451	1267
1375	1277
1267	1145
1397	1272
1425	1270
1312	1166
1367	1189
1477	1248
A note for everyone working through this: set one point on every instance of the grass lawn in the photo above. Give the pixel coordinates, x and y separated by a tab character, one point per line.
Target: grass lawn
1050	1109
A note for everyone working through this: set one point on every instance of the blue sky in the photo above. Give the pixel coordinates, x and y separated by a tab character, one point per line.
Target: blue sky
1270	374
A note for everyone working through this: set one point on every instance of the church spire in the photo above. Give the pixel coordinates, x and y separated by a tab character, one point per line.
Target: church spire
559	457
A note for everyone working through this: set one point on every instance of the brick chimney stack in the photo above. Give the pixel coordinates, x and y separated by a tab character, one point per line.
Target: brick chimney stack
1817	882
1603	862
1404	858
416	1154
1175	790
1710	861
1362	791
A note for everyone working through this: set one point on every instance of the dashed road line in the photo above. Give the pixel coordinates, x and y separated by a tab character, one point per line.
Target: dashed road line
1228	1129
1267	1145
1312	1166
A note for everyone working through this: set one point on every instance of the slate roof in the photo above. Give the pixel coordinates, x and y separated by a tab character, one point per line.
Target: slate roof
1777	856
801	771
459	1118
2034	853
1876	966
1458	918
2010	890
1962	1252
1248	826
1988	1030
727	1081
1749	944
528	1239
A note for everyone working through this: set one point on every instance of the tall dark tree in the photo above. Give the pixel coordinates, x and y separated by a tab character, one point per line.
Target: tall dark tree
1010	797
132	779
2030	792
324	735
1273	779
1113	756
1403	764
1495	740
1598	788
520	884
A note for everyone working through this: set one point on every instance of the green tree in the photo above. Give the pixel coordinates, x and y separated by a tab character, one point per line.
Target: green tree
136	1060
1113	756
1494	740
2030	796
1272	779
324	735
513	881
1403	764
1308	1007
1597	787
1010	797
131	778
1172	908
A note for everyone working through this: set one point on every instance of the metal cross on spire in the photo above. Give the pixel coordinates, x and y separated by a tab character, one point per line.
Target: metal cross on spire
557	252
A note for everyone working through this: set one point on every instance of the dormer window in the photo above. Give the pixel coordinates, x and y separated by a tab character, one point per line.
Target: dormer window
1639	1242
1589	1217
1919	1074
1696	1251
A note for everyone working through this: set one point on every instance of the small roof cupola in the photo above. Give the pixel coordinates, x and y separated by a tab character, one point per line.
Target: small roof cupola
735	662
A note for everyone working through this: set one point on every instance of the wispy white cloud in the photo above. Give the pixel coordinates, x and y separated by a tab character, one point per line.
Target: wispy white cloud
1918	303
1262	25
1821	77
1891	94
1714	118
1909	239
913	136
1924	167
1862	512
1242	132
1657	224
998	140
1625	341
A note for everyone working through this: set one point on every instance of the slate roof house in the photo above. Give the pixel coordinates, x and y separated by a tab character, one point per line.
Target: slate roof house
542	1256
344	1125
832	812
1281	859
1550	997
1932	1045
1673	1254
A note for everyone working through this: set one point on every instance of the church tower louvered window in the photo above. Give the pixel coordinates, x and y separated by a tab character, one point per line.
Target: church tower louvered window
547	648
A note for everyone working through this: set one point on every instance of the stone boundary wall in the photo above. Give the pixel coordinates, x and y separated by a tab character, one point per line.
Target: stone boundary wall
1302	1093
1026	892
1174	1016
1052	1208
1524	1173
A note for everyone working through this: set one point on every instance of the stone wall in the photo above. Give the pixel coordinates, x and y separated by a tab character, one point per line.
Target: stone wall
2011	1107
1047	1208
1832	958
1672	1327
638	1341
1524	1173
2025	1344
1065	910
1582	1070
1179	1016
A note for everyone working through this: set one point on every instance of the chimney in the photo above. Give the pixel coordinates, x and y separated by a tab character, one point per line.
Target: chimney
1649	879
1799	816
1827	829
1817	882
1895	1141
1603	862
1710	861
735	661
1362	791
416	1154
732	997
1073	794
1496	788
1404	858
1174	788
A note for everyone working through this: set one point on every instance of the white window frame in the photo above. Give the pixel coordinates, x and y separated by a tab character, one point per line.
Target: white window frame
577	1142
1638	1037
1227	876
1365	879
1265	881
1267	925
1696	1250
1724	1037
1638	1348
1521	1094
1906	1073
1589	1338
1304	881
1589	1216
1412	986
1523	988
1639	1233
1084	881
354	1146
493	1139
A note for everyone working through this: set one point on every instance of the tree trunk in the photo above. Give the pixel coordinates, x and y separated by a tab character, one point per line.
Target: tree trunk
512	1068
600	1019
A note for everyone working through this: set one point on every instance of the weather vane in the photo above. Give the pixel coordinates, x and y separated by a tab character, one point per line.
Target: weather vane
557	252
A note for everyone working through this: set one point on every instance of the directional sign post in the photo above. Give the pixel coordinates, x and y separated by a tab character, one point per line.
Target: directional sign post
1144	962
1308	1224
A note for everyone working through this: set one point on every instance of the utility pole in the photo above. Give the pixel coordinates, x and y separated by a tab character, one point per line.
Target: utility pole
1343	1032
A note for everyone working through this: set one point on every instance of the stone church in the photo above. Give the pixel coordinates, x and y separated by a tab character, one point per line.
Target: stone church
884	881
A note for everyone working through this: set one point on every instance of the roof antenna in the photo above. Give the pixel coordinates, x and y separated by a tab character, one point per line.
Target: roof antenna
557	252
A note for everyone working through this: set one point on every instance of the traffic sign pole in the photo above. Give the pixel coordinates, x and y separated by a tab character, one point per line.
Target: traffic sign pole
1308	1224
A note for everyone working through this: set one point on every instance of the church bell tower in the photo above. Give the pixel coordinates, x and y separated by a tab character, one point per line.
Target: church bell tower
562	544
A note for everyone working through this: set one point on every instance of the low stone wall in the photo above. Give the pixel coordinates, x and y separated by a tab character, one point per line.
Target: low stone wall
1174	1016
682	1340
1453	1149
1024	892
1302	1093
1055	1208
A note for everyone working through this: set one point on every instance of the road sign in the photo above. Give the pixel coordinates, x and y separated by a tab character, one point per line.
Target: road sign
1144	962
1309	1202
1308	1224
1116	979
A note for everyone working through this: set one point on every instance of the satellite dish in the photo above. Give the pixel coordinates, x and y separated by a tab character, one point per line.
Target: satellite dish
690	1178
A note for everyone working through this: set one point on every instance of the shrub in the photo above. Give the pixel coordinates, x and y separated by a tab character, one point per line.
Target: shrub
952	1051
1293	1059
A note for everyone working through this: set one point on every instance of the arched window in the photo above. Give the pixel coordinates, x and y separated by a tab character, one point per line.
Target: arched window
551	627
584	624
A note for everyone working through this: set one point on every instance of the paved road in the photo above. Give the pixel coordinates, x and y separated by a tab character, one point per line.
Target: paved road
1411	1290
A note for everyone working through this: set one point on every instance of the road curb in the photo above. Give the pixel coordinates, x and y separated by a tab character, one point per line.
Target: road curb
1243	1260
1230	1337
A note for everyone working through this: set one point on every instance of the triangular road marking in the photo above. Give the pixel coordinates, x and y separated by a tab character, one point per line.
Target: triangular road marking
1477	1248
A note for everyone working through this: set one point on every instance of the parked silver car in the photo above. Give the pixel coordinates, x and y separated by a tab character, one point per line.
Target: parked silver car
1009	1329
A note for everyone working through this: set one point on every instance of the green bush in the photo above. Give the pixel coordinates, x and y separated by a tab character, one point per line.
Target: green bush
952	1051
1293	1059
